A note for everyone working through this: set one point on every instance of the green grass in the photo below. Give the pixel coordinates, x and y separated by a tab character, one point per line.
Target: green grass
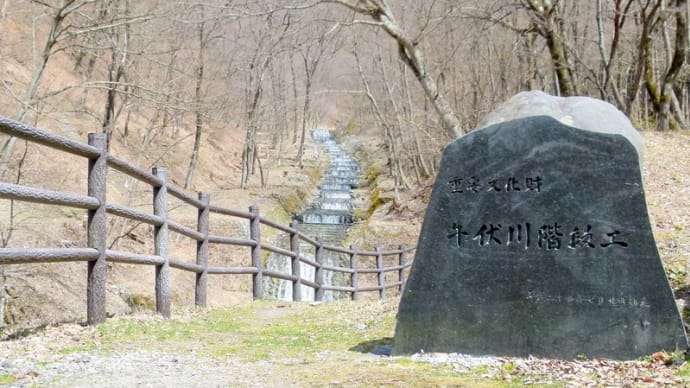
683	371
481	369
166	331
7	378
330	342
77	349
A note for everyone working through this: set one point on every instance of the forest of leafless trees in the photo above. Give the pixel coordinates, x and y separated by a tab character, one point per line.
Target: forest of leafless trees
416	73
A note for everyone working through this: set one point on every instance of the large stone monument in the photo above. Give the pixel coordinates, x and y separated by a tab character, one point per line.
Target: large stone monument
536	241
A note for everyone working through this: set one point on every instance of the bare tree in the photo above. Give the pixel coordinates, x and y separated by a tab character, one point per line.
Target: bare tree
202	41
608	57
56	35
312	55
410	54
268	43
393	160
547	21
119	50
662	96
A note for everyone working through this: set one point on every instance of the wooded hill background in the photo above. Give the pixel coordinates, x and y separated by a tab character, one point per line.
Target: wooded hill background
178	72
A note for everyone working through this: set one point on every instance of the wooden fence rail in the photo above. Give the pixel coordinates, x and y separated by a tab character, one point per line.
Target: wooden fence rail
97	255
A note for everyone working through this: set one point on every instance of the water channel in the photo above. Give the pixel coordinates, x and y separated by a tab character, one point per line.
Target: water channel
328	217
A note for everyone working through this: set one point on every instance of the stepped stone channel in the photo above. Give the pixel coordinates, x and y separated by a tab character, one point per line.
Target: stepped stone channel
328	217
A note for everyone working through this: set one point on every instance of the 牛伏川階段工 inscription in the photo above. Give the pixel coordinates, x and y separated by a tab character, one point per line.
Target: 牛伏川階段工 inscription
547	236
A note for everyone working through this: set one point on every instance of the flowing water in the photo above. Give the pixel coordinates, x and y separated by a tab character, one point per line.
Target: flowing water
328	217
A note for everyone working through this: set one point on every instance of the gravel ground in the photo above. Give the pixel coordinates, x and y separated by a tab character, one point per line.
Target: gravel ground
46	359
58	357
123	369
68	356
37	360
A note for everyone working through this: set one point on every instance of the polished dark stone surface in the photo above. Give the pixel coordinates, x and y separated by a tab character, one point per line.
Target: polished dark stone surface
536	241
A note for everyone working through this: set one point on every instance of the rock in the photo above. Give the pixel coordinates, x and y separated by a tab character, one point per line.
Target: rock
581	112
536	241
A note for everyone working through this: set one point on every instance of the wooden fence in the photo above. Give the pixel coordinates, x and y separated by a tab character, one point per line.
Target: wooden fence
97	255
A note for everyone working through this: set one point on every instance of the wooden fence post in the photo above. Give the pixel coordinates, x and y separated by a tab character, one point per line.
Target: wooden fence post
255	235
96	231
296	264
354	278
202	251
401	272
318	294
382	275
161	241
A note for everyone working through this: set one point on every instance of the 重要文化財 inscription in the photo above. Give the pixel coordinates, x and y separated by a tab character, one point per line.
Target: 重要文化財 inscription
472	184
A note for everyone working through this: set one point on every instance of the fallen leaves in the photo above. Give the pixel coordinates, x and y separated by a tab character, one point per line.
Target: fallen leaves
659	371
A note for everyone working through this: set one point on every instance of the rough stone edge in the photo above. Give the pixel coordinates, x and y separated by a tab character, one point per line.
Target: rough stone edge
579	112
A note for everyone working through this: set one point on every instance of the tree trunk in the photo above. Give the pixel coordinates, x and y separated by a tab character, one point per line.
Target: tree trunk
249	150
545	18
198	102
294	99
677	62
305	117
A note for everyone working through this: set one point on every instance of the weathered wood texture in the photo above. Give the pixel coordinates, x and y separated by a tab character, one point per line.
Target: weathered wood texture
296	265
381	274
255	235
30	194
160	241
202	250
401	271
354	279
46	255
318	294
96	230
